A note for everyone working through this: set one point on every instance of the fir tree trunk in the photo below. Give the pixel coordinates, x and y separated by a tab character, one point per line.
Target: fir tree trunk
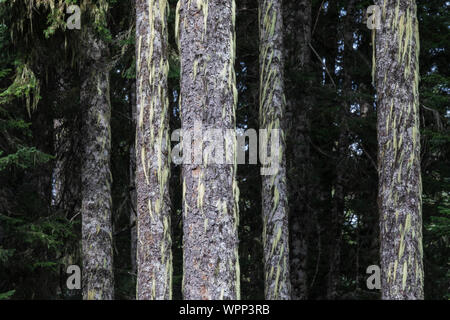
274	190
400	186
66	177
154	248
297	21
66	183
337	212
344	28
210	191
98	279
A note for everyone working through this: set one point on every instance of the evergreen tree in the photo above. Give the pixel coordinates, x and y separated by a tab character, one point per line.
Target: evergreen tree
330	123
210	192
274	189
96	178
400	184
297	41
154	250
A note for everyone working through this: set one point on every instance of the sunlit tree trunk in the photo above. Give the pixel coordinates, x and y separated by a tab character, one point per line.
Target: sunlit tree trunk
400	187
274	190
96	179
210	191
154	243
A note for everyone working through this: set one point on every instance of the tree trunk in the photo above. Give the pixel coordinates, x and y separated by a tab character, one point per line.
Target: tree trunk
400	186
210	191
338	204
154	249
271	113
297	20
66	176
98	278
66	182
337	212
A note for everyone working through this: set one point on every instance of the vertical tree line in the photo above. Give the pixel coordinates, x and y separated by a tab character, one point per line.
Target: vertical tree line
96	179
400	182
208	97
297	39
154	242
353	149
274	184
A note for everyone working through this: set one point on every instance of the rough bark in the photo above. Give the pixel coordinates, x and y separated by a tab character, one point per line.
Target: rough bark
274	189
400	187
98	279
297	21
154	248
210	191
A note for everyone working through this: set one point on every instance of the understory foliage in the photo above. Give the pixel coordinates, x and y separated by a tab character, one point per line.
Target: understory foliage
39	83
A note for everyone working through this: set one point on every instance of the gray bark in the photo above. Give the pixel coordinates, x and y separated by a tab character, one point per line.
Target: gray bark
297	21
271	113
154	248
98	278
210	191
400	186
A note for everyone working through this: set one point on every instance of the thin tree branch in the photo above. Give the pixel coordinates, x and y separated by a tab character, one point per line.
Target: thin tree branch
317	18
323	64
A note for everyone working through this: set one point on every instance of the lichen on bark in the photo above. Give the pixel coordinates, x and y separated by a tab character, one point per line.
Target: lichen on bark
98	278
271	113
206	32
400	185
154	241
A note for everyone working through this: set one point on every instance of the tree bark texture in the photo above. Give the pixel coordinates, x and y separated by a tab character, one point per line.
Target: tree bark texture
154	247
206	34
396	58
274	187
98	278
